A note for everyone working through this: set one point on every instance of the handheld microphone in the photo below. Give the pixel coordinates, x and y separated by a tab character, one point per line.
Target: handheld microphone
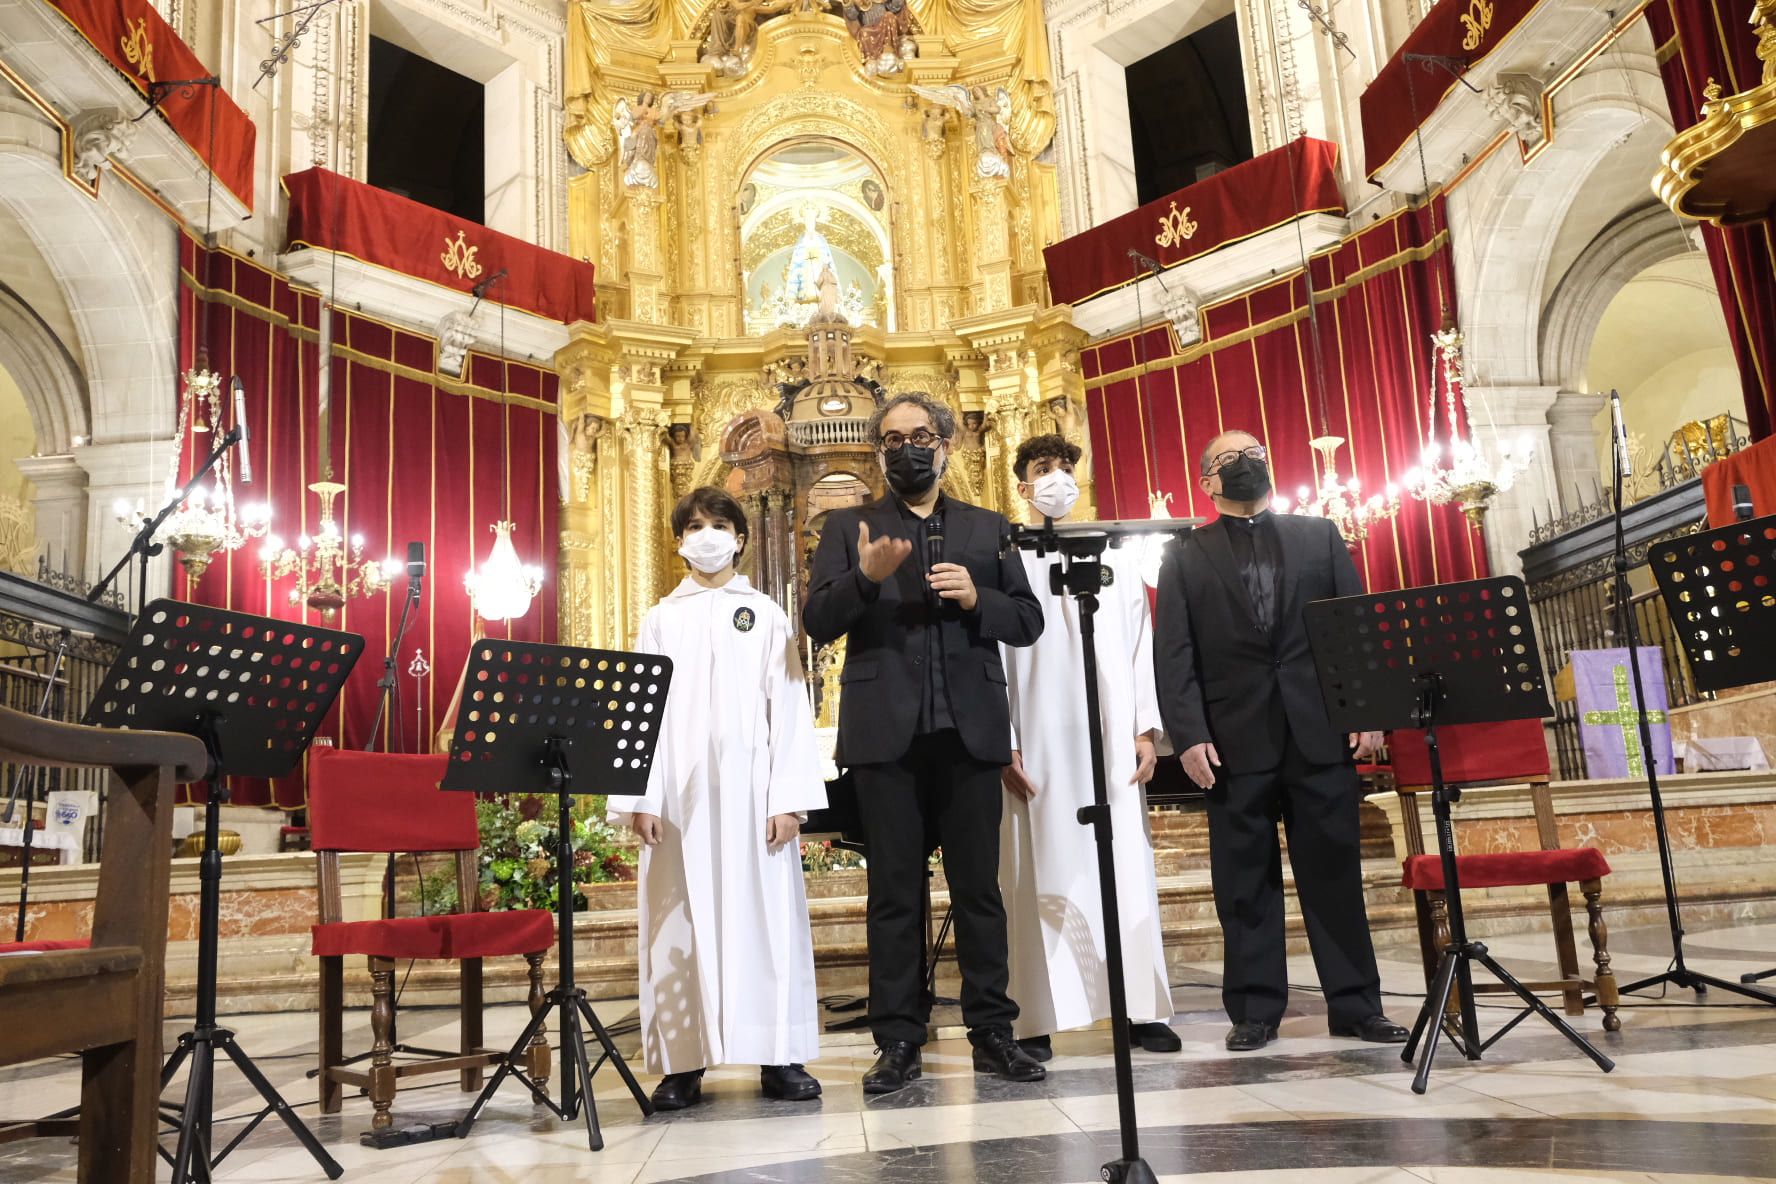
1743	510
240	421
1621	434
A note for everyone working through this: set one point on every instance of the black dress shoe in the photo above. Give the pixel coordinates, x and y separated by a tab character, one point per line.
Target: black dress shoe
1250	1037
894	1069
1376	1029
996	1052
1040	1048
789	1083
1154	1037
679	1090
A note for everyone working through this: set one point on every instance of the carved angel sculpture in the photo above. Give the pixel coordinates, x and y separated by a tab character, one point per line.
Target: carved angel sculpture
988	110
638	131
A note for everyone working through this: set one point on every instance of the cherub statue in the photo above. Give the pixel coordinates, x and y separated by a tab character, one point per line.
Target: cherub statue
988	110
733	33
638	131
972	435
683	444
883	30
934	123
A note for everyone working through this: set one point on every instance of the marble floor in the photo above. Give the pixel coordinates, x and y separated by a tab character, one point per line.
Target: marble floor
1693	1098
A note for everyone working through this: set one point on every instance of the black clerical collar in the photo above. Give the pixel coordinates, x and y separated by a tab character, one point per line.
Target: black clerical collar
1252	521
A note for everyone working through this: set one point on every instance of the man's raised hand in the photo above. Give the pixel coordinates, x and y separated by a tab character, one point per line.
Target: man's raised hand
880	558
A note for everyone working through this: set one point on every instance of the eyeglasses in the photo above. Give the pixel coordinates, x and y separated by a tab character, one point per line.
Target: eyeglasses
895	441
1222	459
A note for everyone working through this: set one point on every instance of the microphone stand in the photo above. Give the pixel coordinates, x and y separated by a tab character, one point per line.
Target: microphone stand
390	688
142	547
1678	974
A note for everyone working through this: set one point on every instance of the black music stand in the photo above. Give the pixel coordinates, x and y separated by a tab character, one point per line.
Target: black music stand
1720	591
542	715
1447	654
254	690
1079	572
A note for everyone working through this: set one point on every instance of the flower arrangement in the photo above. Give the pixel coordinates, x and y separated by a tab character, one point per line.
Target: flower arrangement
824	857
518	836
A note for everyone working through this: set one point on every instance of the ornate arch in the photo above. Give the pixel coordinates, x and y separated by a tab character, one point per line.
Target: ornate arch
46	374
1628	246
1506	219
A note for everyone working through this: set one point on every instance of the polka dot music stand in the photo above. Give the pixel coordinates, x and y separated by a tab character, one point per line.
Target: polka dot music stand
1720	590
1418	658
255	691
564	721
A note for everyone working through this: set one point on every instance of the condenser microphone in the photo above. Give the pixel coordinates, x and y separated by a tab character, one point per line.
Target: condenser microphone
1149	263
1621	434
1743	510
416	561
240	422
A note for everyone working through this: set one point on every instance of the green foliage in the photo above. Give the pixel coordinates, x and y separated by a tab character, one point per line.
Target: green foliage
518	834
436	892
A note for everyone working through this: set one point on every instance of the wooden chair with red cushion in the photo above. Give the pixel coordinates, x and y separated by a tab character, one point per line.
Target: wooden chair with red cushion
380	802
103	999
1494	754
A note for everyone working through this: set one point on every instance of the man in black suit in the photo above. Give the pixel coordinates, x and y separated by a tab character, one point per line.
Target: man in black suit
925	589
1241	703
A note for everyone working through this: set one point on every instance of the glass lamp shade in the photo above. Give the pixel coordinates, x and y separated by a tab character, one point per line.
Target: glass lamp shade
503	587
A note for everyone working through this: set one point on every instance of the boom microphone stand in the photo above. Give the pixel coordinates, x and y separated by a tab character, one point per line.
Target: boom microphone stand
1079	572
1679	972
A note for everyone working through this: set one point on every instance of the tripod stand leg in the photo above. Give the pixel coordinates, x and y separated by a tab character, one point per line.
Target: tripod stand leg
193	1152
573	1038
1432	1014
507	1067
1759	977
281	1108
616	1058
1534	1002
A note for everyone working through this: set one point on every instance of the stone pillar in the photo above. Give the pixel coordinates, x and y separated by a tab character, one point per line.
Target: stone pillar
1572	447
130	471
1513	417
1057	341
60	499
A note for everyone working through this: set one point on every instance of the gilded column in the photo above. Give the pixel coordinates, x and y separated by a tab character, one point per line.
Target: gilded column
992	246
1059	387
646	270
589	457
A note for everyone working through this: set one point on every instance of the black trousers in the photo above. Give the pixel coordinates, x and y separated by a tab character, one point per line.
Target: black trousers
936	791
1318	808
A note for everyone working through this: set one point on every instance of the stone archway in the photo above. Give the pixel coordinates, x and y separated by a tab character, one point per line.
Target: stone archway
114	258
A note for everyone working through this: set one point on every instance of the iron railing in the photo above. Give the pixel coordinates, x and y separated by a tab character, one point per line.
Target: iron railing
34	617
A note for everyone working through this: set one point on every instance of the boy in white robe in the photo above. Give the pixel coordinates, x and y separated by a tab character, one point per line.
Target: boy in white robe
1048	862
726	959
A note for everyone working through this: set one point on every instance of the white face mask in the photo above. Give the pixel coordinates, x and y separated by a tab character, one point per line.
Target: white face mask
708	549
1053	494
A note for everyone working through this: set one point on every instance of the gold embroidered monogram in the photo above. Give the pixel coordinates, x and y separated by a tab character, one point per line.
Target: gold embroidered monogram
1478	21
137	49
459	257
1175	227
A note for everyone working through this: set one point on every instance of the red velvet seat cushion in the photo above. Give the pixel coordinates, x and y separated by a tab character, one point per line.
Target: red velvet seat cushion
42	947
1508	869
448	936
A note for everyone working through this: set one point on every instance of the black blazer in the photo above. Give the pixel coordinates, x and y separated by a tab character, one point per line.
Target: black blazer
879	707
1220	678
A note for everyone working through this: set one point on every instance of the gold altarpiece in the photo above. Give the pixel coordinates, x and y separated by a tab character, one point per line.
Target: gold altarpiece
732	148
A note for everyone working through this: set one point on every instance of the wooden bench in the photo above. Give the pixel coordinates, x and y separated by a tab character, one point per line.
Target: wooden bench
104	1001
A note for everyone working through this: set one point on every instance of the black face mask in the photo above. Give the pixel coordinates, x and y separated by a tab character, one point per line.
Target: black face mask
912	470
1245	480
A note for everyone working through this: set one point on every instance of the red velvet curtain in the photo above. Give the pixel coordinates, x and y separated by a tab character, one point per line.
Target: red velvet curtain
1699	41
419	454
1380	295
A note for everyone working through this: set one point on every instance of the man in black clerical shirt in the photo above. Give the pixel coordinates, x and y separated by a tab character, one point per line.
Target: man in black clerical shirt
1241	704
924	588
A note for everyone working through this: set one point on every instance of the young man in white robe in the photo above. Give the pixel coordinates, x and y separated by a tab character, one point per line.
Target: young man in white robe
726	959
1048	862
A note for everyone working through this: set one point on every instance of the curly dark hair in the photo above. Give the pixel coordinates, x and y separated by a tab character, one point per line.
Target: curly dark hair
943	420
714	504
1052	446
